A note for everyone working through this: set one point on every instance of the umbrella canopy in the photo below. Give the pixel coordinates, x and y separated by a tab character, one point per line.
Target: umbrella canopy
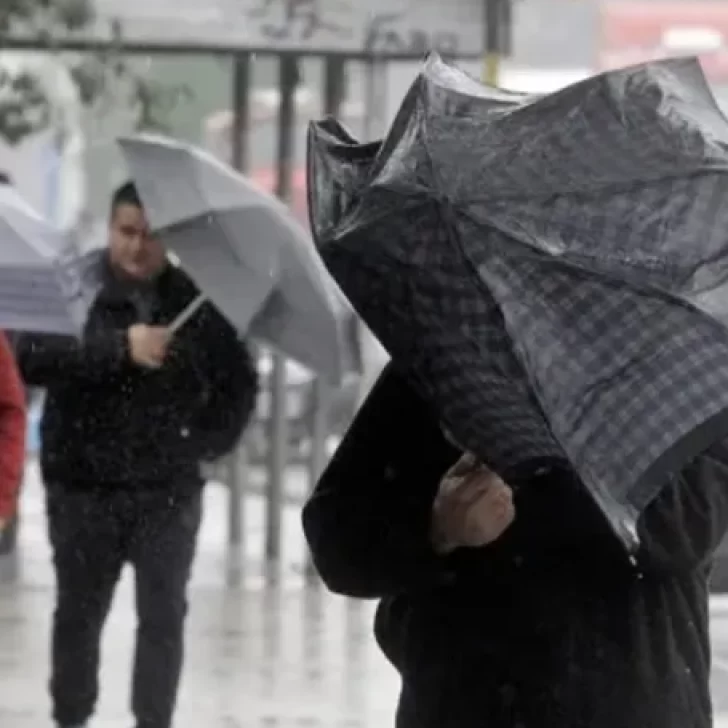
550	270
245	251
46	286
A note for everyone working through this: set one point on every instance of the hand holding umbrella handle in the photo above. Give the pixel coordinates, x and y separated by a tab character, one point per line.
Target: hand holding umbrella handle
473	507
187	313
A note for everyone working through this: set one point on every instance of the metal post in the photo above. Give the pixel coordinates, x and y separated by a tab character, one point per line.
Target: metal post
334	93
242	71
374	98
278	434
321	407
236	465
334	85
497	38
236	462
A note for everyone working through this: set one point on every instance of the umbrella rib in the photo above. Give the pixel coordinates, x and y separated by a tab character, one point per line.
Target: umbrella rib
565	262
199	188
611	186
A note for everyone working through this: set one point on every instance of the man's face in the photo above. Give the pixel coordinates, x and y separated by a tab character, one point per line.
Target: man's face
132	248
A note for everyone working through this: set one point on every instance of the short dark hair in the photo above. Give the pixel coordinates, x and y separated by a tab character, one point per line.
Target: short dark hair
126	194
5	179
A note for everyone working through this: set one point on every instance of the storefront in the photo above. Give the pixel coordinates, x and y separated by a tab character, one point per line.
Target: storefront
644	30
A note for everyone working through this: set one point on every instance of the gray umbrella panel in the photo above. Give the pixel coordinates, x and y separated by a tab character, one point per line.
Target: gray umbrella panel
236	286
540	288
245	251
620	172
297	315
46	286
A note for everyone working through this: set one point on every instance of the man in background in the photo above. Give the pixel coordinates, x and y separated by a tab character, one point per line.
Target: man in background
131	412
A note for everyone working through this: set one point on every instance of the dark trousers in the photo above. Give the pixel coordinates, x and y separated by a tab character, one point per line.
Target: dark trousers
93	536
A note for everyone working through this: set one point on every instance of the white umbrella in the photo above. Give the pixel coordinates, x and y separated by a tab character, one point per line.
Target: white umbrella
45	285
244	250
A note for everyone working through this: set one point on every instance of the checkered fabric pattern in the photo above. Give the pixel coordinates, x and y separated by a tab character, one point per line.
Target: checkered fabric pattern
633	383
551	273
452	342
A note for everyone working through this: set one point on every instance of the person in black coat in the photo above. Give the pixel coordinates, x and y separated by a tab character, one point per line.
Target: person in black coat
543	621
131	412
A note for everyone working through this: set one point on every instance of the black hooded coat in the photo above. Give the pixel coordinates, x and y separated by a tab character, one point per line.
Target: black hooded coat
553	625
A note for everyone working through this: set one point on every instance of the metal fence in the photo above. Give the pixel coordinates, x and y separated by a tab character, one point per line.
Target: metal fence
362	53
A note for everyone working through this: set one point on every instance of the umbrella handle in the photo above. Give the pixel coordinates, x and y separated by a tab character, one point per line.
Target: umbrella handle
187	313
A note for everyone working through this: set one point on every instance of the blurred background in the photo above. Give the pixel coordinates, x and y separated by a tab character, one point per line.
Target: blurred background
243	78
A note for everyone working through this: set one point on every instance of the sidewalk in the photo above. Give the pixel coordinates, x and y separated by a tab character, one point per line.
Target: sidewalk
262	649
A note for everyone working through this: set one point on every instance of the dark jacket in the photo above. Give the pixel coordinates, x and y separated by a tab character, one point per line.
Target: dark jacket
110	423
552	626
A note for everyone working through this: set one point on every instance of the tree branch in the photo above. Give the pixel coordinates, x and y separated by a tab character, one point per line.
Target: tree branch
24	107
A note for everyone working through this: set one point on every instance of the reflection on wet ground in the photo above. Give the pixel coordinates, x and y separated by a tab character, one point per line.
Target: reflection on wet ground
263	650
274	657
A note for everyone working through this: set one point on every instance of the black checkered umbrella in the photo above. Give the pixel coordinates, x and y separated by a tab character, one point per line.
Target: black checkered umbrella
550	270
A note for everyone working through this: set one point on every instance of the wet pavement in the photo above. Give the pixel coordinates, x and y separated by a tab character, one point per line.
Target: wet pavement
263	649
